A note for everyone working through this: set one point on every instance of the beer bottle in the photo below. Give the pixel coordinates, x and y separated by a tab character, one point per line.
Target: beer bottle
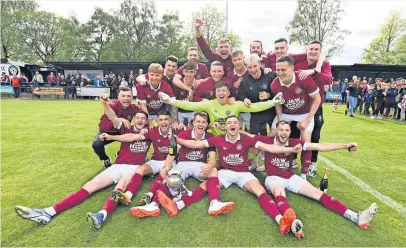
173	146
324	181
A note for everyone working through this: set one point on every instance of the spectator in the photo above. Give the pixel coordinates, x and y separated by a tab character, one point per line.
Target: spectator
37	78
336	101
24	83
399	98
131	79
140	72
402	107
114	87
336	87
368	102
51	78
65	83
15	83
123	83
379	99
390	101
5	78
83	81
98	82
352	97
344	87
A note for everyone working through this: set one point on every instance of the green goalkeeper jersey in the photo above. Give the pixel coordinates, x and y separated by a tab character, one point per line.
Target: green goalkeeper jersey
218	112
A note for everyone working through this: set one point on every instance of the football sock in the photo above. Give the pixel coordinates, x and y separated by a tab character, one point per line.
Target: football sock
134	185
305	158
110	205
213	188
278	218
156	185
164	189
282	204
268	205
51	211
71	201
333	204
197	194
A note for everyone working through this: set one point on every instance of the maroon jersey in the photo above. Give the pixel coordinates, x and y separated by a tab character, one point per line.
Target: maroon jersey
233	156
202	71
190	154
205	90
279	164
265	62
322	78
160	143
182	95
296	94
296	59
106	125
133	152
147	94
234	76
211	56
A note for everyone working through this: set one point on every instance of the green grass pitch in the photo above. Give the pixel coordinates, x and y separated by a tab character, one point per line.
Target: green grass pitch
46	154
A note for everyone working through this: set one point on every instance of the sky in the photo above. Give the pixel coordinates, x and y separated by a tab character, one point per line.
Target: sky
263	20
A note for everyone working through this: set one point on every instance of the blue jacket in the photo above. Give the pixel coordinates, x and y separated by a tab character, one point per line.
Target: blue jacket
391	95
98	83
368	98
344	87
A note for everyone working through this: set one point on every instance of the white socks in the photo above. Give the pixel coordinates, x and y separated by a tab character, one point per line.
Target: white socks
180	204
104	212
51	211
278	218
351	215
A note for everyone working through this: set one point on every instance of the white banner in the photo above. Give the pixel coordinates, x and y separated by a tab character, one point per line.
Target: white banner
91	91
10	70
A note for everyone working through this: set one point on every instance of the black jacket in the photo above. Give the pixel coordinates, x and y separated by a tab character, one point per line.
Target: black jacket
251	87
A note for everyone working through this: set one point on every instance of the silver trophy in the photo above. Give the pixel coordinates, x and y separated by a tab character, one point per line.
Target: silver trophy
175	183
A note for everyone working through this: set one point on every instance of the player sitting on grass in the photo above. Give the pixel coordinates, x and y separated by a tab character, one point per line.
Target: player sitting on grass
233	152
281	177
193	163
131	155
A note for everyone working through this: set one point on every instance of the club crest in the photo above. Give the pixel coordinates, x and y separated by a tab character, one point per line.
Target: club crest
239	147
298	90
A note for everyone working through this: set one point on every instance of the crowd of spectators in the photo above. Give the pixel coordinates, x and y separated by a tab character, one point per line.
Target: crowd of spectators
379	98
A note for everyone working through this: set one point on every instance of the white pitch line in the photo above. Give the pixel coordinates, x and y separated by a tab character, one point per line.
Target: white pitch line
385	199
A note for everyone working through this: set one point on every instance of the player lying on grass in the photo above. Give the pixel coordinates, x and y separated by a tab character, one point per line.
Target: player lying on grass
160	138
193	163
132	154
218	109
233	152
281	177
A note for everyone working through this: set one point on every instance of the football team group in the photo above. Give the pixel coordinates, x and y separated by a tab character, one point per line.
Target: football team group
219	122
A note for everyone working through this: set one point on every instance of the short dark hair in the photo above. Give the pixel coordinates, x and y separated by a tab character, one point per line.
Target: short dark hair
281	40
125	88
172	58
316	42
189	66
141	112
222	84
230	116
257	41
201	114
164	112
285	59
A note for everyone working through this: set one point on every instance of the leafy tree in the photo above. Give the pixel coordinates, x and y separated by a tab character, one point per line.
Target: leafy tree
11	13
213	30
318	20
389	47
101	30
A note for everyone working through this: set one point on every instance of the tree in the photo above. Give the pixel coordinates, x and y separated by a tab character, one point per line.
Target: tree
213	30
11	12
400	50
170	39
318	20
387	48
136	28
101	29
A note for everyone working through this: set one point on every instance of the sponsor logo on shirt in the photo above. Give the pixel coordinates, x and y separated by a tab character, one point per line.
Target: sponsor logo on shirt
139	147
194	155
280	163
294	104
155	104
163	149
233	159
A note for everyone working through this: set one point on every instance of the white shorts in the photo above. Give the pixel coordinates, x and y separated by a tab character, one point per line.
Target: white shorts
228	177
156	165
117	171
245	118
302	117
185	115
293	184
191	169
